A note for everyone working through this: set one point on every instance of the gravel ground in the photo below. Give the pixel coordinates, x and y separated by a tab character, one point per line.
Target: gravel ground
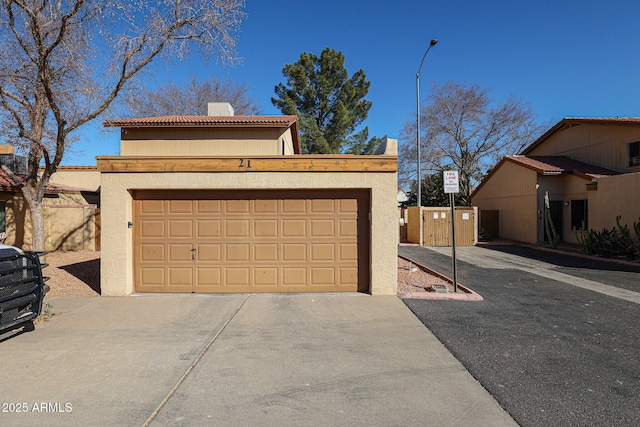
77	273
73	273
412	278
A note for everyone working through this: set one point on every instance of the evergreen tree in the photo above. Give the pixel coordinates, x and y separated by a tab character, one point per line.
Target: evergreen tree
329	104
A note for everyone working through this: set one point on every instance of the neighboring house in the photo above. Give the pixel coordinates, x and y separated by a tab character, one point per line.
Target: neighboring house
589	166
402	198
69	213
224	203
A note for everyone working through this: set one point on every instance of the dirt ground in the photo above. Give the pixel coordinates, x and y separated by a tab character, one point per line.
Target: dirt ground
77	273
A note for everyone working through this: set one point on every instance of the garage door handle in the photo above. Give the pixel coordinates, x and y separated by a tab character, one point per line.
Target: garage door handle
193	253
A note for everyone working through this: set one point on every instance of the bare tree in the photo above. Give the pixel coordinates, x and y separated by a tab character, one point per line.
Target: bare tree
64	63
463	128
192	98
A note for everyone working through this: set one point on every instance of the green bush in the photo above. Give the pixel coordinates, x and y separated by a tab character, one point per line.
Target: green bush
484	236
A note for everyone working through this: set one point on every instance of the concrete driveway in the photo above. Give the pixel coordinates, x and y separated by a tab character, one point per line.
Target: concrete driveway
237	360
556	339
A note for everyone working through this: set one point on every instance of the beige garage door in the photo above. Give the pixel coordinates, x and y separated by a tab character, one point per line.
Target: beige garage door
248	241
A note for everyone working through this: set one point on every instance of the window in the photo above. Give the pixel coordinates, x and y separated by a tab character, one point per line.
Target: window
634	154
579	214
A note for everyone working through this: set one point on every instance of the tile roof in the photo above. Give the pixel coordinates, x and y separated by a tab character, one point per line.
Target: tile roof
209	121
5	182
556	165
552	165
568	121
214	122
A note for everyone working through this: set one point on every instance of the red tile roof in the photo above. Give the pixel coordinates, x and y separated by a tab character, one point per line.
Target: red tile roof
6	184
208	121
568	121
213	121
552	165
556	165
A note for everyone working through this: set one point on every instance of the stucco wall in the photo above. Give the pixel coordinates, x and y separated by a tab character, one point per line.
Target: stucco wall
117	238
616	195
203	141
512	191
601	144
81	177
69	222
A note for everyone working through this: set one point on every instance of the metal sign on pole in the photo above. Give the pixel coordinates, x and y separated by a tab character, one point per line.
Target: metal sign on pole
451	186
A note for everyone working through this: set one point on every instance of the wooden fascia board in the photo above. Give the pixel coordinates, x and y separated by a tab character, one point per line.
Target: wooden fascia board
336	163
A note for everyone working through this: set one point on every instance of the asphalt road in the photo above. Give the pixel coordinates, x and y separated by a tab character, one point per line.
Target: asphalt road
551	353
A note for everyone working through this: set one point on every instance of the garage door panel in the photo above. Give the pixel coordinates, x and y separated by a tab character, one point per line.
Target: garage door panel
152	252
266	276
180	252
294	228
287	241
180	228
237	252
152	207
265	228
348	252
294	276
152	276
347	205
322	206
347	228
181	207
236	228
208	277
347	276
180	276
208	228
209	252
237	276
322	276
294	252
208	206
265	252
321	252
322	228
237	206
265	206
152	228
294	207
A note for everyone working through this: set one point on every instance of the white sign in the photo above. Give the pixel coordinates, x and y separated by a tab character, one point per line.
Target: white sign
451	182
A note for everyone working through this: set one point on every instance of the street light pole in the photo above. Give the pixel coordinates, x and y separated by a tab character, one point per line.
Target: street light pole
432	44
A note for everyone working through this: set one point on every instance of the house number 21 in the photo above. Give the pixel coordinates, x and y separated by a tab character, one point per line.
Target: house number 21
244	162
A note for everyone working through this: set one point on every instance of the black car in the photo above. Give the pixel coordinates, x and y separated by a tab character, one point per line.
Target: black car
22	286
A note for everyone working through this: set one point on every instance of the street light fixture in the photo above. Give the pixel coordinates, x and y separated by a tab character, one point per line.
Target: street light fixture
432	44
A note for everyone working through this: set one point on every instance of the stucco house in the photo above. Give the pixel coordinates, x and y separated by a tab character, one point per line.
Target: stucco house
589	166
225	203
70	211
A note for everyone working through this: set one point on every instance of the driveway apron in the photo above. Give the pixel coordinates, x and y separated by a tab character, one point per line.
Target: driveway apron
238	360
551	351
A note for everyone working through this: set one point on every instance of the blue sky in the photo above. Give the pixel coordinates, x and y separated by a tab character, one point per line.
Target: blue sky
566	58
